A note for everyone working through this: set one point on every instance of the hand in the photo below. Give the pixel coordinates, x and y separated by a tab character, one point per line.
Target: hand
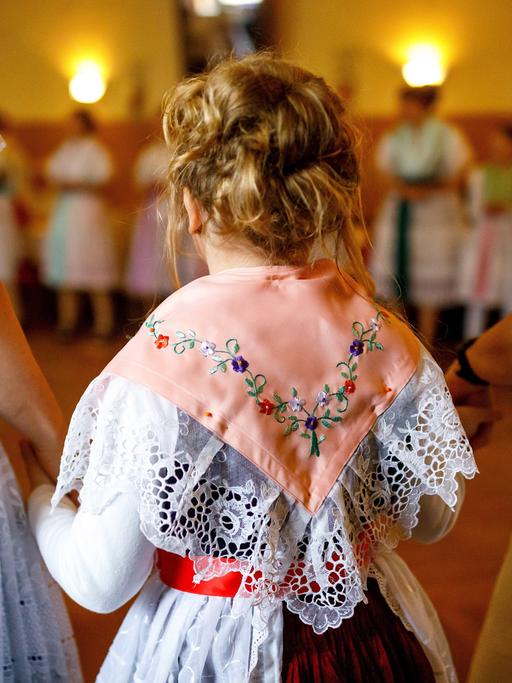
474	405
36	474
477	423
463	391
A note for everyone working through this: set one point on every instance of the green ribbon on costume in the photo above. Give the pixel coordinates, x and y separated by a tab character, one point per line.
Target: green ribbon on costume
498	184
403	220
5	185
57	240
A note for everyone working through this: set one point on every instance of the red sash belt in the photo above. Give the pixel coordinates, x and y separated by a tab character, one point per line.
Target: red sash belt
178	572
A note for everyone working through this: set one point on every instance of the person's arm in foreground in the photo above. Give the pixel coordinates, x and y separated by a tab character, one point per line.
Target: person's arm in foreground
26	400
490	359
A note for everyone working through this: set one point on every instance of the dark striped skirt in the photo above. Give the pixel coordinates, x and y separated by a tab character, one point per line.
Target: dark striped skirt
371	647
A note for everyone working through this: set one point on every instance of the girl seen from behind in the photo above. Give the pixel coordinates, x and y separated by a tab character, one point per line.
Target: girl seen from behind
270	434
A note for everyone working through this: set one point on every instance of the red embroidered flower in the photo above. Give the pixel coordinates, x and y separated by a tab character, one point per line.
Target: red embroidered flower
350	386
266	407
162	341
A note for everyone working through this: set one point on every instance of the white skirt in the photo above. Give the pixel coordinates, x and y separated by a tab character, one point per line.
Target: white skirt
173	637
79	250
486	265
147	272
435	238
36	640
10	242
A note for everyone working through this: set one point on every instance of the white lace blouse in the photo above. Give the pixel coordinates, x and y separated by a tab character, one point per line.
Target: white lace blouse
150	476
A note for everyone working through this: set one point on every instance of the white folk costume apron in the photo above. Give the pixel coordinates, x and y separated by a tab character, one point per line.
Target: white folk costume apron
278	431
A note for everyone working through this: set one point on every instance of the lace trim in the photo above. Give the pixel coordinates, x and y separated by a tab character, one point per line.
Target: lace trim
198	496
389	596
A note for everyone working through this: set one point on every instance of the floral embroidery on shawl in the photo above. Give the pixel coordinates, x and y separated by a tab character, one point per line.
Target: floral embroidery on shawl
329	405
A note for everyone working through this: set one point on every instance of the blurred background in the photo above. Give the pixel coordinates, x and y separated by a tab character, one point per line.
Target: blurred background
82	222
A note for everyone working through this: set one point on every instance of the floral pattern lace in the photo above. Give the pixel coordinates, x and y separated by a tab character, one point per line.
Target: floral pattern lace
200	497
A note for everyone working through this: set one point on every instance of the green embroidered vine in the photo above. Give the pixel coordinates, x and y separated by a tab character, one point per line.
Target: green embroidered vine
293	412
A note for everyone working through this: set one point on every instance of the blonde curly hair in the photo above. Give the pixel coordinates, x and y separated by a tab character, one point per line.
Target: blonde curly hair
267	150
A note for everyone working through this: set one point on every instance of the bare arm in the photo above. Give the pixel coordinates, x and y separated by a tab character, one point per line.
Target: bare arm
490	358
26	400
491	354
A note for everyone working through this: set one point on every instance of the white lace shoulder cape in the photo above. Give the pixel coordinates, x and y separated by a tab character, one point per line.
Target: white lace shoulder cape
200	497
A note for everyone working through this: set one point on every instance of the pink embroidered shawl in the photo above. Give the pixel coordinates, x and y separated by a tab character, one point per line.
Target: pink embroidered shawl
290	366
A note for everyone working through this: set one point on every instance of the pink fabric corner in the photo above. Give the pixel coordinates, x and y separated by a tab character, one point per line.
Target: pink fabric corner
293	325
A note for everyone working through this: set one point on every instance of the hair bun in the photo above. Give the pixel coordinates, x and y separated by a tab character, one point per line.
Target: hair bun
266	148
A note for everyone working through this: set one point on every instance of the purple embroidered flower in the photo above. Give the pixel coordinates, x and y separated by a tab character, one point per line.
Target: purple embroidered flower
375	324
207	348
323	399
357	347
239	364
296	404
311	423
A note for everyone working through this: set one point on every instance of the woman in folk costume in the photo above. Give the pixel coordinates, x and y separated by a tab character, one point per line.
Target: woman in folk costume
148	273
12	171
79	250
270	434
36	640
486	269
418	231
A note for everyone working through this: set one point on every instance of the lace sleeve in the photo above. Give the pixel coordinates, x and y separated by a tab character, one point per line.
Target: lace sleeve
117	432
421	434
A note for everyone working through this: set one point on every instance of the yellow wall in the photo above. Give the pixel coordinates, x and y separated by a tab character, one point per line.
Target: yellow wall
369	38
41	40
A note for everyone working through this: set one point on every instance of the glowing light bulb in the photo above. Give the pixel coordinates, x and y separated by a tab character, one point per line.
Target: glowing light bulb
425	66
240	3
88	84
206	8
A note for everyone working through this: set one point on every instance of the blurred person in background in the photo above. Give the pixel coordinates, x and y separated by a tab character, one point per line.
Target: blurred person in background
12	183
417	235
36	639
79	252
486	267
148	274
